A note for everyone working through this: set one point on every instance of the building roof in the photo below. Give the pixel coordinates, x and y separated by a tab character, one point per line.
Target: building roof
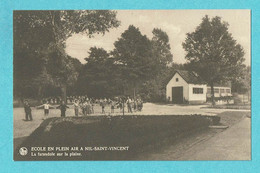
190	77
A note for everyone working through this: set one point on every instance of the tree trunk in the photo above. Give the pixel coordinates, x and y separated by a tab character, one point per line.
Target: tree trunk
134	92
212	94
64	93
135	88
40	92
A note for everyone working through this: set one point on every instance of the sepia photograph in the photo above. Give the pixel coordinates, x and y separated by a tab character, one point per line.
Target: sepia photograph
131	85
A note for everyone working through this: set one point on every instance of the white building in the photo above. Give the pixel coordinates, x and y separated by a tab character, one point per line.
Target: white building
188	87
219	91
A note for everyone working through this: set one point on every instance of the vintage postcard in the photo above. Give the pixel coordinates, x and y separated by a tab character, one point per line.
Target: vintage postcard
131	85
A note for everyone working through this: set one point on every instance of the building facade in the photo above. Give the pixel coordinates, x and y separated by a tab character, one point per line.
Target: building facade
188	88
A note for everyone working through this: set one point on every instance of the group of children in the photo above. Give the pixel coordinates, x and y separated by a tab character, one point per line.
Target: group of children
69	99
136	104
85	106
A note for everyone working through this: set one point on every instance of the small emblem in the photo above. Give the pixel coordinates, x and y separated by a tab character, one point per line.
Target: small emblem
23	151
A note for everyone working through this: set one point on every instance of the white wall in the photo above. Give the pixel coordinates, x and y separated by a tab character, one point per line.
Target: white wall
173	83
197	97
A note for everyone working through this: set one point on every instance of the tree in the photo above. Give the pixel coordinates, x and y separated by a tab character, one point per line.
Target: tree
242	85
96	71
97	55
134	58
154	89
99	77
44	33
161	48
213	53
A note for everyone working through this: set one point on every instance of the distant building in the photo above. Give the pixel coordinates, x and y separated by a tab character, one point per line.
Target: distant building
219	91
189	87
222	94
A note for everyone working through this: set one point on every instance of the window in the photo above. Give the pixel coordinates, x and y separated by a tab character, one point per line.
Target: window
177	79
197	90
209	90
216	90
222	91
228	91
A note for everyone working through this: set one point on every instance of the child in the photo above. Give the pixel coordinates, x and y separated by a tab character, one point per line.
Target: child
140	104
92	106
81	104
135	105
46	106
76	107
120	104
129	105
84	108
88	107
112	106
103	106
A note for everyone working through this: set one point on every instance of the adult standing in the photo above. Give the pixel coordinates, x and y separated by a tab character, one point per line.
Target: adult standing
63	107
28	111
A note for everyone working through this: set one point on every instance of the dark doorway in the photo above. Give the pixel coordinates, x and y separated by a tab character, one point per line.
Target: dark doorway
177	95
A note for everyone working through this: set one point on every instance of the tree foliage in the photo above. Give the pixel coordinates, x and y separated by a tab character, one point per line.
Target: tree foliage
154	89
133	56
213	53
99	77
136	64
39	41
242	85
161	48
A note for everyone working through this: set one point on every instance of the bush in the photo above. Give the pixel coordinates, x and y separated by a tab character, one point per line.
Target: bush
215	120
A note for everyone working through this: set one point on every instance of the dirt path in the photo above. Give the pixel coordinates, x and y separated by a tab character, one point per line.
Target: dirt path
213	144
231	144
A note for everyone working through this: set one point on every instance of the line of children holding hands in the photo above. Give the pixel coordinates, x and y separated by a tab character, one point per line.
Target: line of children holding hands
86	106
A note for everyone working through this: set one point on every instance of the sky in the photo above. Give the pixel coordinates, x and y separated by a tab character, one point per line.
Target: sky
176	23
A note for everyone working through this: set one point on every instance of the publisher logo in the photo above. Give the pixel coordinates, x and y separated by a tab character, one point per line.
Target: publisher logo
23	151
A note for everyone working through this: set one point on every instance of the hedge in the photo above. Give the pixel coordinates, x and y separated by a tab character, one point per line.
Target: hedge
140	132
